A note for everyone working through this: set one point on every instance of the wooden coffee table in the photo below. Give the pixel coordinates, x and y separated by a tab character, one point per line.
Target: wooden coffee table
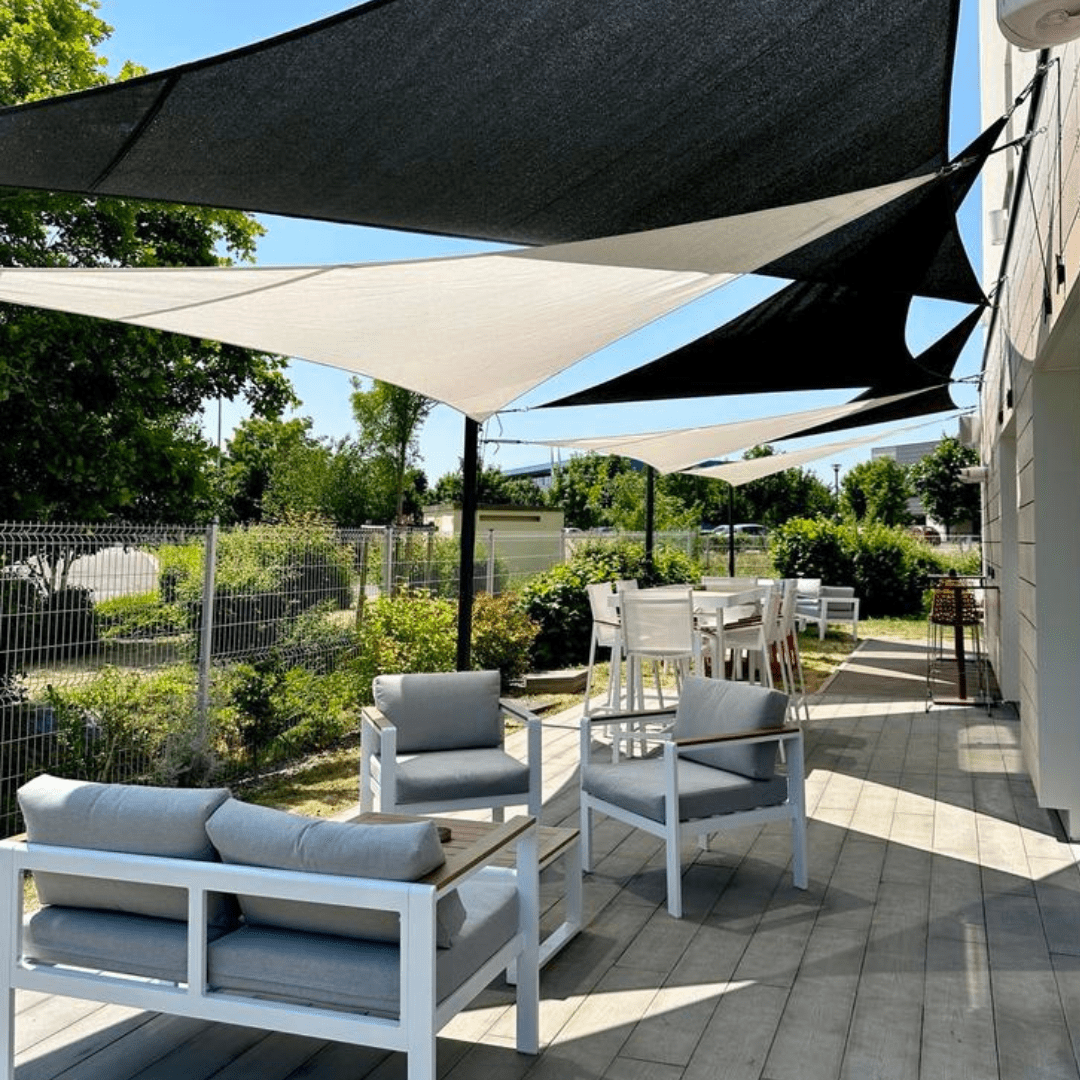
554	844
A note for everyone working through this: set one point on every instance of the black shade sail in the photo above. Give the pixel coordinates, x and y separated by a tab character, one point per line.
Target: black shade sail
808	336
931	369
537	122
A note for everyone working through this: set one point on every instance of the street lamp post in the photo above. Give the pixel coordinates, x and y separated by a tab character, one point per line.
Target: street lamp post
836	487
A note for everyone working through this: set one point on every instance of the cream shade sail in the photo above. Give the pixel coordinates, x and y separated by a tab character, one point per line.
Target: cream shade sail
679	449
475	332
737	473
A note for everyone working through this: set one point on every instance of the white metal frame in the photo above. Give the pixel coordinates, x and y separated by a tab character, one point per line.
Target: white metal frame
378	777
420	1017
671	829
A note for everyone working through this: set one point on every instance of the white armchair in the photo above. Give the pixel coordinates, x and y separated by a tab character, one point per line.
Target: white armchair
717	771
434	743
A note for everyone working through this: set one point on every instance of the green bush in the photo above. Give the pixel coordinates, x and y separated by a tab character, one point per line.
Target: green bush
265	577
141	615
888	567
557	600
406	633
502	636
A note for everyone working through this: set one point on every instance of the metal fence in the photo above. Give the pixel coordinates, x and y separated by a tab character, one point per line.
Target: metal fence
118	641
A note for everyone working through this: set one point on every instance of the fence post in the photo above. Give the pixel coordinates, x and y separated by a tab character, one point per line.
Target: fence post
388	562
491	563
206	641
362	595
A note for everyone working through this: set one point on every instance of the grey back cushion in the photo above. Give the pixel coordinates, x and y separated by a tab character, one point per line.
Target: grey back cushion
167	822
259	836
442	711
718	707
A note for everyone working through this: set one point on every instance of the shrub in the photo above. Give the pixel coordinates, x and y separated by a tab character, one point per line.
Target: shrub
812	548
265	577
502	636
406	633
140	615
888	567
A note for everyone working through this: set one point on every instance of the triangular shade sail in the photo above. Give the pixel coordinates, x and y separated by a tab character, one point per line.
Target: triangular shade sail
474	332
677	450
807	336
866	250
536	122
738	473
926	382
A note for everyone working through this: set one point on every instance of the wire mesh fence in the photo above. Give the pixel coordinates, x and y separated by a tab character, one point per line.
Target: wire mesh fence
187	655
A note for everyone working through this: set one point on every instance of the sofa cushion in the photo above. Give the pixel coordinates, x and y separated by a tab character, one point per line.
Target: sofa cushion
259	836
441	711
167	822
318	969
110	941
720	707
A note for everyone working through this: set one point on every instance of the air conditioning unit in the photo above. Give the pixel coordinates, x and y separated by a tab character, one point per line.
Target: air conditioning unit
1039	24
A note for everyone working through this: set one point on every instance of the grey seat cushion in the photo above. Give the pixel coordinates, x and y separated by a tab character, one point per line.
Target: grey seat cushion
259	836
720	707
167	822
318	969
441	711
460	774
638	786
109	941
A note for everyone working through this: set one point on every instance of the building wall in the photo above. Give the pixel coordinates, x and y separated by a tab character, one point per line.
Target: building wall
1030	406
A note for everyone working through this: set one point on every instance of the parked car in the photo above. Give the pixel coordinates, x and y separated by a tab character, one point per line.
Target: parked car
925	532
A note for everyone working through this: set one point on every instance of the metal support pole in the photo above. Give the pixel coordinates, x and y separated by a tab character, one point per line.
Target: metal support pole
466	570
206	641
650	515
388	562
731	530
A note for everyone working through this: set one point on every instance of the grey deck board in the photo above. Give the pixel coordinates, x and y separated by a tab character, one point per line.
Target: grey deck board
939	938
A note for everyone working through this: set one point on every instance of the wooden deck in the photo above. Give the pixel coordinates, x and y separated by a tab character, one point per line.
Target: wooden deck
940	936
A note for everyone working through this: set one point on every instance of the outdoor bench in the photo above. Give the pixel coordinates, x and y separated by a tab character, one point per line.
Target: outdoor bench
195	904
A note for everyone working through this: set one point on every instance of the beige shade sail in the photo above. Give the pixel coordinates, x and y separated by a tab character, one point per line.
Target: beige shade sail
679	449
474	332
737	473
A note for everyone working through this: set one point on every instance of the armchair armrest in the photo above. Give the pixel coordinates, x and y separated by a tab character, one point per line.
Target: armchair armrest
623	717
753	735
519	712
371	717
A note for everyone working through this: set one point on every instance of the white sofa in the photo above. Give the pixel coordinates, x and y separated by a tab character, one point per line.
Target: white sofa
398	942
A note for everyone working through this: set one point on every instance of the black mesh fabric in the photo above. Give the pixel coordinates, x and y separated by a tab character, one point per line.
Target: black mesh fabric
536	122
808	336
931	369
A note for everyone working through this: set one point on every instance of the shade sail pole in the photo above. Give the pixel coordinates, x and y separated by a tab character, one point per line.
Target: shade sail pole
466	578
731	530
650	517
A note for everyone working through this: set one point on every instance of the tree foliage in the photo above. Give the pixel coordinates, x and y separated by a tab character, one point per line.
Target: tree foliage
877	490
936	479
494	488
389	419
101	419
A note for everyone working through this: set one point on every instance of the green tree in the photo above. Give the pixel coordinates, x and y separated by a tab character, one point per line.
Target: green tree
584	488
772	500
936	480
877	490
494	488
389	419
100	419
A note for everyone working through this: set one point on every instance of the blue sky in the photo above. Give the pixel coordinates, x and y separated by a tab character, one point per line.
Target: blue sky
159	35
